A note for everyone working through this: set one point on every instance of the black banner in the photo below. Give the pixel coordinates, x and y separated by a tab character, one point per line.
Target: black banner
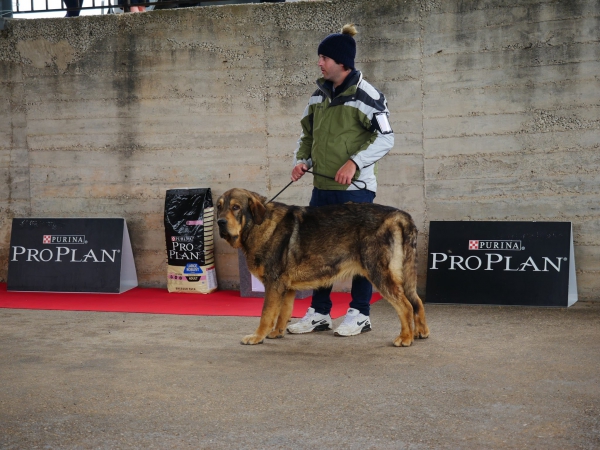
70	255
501	263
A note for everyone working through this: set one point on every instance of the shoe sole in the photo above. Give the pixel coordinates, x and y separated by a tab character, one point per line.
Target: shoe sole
317	328
363	330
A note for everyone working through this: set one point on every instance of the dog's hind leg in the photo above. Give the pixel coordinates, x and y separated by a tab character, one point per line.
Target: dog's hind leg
392	290
410	288
405	314
270	312
421	328
409	276
284	315
385	270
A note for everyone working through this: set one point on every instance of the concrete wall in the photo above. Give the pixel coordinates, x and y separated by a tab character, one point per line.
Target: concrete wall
495	105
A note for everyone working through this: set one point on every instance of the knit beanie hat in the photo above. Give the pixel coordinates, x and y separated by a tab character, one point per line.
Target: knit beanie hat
340	47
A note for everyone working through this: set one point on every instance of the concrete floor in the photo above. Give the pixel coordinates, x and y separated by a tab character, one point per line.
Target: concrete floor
488	377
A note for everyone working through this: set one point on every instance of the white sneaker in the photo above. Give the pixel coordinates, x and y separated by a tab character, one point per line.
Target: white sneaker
312	321
354	323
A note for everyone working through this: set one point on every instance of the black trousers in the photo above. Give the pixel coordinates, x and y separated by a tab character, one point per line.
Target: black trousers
73	4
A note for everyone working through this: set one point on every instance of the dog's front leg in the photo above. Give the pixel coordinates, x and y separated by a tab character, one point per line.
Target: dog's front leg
270	312
285	313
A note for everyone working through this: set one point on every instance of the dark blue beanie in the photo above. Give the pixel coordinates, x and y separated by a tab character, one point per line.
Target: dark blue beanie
341	47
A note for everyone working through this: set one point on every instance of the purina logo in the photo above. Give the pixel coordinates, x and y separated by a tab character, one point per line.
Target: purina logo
64	239
495	245
182	238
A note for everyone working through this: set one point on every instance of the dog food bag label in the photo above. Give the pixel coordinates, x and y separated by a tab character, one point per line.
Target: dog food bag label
189	218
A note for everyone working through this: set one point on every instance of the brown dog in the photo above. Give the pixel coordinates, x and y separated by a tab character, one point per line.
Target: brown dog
293	248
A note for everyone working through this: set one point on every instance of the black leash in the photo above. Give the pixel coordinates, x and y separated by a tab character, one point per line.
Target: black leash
324	176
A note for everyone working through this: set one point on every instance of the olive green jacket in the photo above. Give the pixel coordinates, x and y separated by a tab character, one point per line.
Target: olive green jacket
350	124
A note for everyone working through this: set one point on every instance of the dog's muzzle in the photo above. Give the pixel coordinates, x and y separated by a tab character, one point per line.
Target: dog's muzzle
222	223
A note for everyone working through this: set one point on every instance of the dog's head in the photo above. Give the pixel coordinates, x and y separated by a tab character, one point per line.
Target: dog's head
237	211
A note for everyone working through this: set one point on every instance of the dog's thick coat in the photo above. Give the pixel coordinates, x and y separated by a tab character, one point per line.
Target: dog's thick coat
293	248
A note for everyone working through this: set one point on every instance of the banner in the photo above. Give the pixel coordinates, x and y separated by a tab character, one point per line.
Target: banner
71	255
501	263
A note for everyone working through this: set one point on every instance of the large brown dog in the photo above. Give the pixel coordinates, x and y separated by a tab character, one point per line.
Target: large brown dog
293	248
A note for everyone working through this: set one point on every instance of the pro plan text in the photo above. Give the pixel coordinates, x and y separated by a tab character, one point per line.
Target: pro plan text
62	254
495	261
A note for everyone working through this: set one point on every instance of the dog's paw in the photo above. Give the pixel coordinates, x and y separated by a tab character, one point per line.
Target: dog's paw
422	334
401	341
275	335
251	339
421	331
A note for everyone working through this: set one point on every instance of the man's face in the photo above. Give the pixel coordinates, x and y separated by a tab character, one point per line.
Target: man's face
331	70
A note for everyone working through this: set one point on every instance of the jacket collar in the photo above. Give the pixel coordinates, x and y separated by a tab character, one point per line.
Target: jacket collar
353	78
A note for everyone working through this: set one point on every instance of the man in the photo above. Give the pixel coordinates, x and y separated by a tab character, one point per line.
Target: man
345	131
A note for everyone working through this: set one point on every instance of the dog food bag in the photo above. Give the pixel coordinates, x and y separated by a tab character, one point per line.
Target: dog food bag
189	218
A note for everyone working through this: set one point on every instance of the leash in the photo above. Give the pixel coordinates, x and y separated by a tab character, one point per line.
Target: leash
364	188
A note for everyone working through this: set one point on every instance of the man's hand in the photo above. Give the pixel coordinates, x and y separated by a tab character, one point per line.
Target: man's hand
346	172
298	171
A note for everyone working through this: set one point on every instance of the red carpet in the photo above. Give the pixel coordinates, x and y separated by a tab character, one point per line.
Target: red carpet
159	301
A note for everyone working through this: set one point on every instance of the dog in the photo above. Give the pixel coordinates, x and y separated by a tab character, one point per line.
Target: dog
293	248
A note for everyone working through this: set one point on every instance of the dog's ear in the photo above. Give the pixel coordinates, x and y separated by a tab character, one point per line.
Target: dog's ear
257	209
